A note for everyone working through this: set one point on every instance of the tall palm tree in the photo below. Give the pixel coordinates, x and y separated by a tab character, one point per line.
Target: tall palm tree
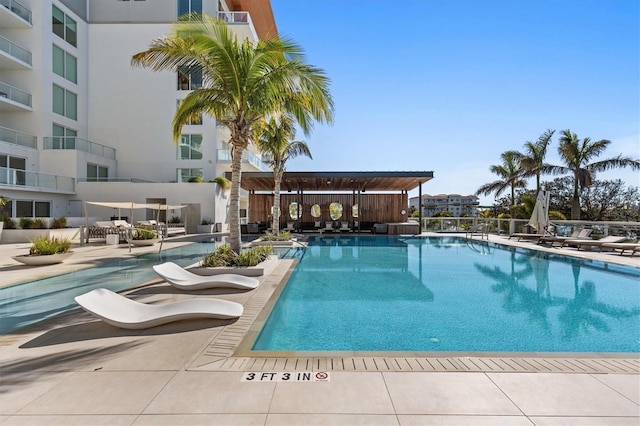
576	155
275	141
243	82
511	174
532	160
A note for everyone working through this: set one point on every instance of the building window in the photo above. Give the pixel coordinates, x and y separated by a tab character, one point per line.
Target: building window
193	121
65	102
64	27
185	175
63	137
189	6
65	64
30	208
97	173
189	78
190	147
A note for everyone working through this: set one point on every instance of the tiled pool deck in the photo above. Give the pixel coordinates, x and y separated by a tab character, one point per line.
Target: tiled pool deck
74	369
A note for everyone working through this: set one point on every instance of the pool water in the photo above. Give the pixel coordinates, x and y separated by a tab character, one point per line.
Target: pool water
28	303
388	293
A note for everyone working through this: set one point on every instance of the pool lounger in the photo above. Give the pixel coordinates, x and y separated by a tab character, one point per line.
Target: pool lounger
185	280
622	247
593	243
122	312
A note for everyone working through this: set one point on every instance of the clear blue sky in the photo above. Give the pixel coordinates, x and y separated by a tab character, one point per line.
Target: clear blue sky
448	85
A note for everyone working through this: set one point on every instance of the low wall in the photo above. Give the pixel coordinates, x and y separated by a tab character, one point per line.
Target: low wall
16	236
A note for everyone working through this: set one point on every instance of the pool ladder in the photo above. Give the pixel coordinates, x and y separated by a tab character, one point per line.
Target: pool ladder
481	229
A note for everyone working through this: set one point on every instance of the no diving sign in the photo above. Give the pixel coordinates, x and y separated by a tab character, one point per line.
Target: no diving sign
286	376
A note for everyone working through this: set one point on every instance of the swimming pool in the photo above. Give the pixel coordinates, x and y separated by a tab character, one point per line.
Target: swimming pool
28	303
388	293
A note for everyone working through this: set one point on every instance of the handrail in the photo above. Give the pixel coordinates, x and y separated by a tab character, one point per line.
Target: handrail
18	138
75	143
15	51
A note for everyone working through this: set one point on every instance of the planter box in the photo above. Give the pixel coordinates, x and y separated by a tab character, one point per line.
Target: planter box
14	236
248	271
206	229
259	242
143	243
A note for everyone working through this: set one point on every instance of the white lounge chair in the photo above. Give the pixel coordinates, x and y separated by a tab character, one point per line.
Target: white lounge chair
344	226
184	280
622	247
121	312
577	234
593	243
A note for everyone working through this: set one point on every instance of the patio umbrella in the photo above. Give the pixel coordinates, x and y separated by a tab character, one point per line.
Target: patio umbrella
540	216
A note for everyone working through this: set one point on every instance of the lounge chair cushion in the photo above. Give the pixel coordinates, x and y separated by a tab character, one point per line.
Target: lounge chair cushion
122	312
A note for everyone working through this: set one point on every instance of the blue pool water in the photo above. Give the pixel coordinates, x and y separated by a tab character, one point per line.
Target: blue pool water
28	303
387	293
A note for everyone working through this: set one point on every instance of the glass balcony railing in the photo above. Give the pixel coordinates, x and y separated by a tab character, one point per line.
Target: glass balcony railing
74	143
235	17
16	177
17	8
224	155
14	50
18	138
15	94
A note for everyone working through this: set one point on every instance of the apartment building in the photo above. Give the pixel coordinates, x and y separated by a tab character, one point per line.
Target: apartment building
79	123
454	203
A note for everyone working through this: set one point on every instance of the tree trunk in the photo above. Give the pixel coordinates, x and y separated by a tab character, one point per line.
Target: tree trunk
234	199
575	202
275	224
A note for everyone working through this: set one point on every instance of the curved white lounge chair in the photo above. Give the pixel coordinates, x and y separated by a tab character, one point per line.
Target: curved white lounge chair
121	312
185	280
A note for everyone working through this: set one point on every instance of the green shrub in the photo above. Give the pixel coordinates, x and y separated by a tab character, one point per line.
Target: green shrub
8	222
38	224
45	245
175	219
25	222
59	222
144	234
224	256
556	215
196	179
206	222
269	236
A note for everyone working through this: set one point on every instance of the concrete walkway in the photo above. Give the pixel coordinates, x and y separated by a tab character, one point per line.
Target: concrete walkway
74	369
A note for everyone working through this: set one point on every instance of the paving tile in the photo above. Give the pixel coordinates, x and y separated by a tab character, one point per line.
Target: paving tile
200	419
447	393
212	392
330	419
586	421
346	393
627	384
70	420
101	393
17	390
452	420
544	394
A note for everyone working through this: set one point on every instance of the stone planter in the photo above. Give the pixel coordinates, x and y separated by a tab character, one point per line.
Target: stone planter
42	260
144	243
247	271
206	229
259	242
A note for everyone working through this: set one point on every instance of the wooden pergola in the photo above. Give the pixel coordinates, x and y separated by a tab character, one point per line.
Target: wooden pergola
381	197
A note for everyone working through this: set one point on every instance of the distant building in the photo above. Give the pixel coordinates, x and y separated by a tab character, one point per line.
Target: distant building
454	203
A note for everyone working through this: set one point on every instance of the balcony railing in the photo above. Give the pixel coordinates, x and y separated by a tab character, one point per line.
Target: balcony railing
15	94
247	157
18	138
74	143
15	177
232	18
17	8
115	179
14	50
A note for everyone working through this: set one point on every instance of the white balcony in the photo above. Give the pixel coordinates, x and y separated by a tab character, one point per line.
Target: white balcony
18	138
22	179
13	56
240	22
14	99
74	143
14	14
248	157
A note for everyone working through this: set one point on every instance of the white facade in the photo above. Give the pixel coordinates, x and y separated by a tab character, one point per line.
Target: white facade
454	203
76	117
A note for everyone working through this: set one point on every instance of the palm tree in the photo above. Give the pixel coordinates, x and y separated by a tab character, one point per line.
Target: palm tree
243	82
532	160
511	173
576	155
275	141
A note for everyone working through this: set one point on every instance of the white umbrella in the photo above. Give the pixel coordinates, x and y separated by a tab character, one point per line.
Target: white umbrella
540	216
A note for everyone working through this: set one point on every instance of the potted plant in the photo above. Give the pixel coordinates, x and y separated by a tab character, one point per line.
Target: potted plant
285	239
250	262
206	227
143	237
46	251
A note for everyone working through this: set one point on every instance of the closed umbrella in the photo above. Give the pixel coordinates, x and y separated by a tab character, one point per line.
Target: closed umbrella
540	216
